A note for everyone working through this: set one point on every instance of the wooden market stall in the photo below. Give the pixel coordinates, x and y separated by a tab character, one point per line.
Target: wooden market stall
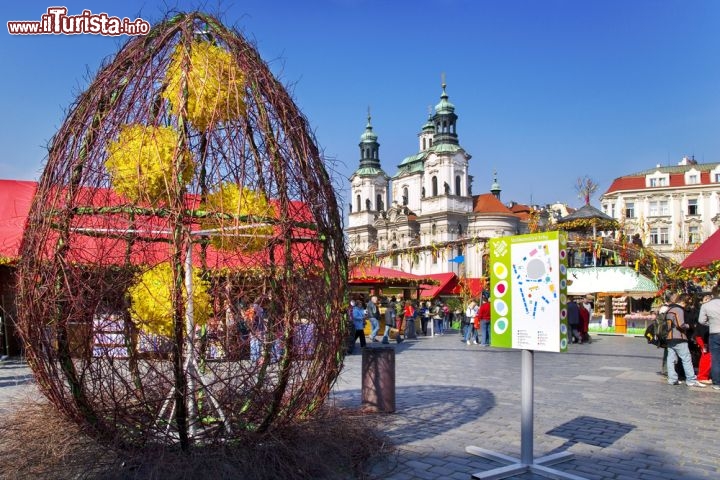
616	290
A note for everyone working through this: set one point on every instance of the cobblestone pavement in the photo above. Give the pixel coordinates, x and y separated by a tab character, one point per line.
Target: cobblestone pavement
603	402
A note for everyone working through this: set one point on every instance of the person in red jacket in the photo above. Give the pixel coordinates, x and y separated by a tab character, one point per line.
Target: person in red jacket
483	317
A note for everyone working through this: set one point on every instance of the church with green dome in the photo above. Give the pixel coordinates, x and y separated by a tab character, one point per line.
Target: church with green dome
424	218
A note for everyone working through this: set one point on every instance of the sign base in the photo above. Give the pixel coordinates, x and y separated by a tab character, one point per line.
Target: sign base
516	467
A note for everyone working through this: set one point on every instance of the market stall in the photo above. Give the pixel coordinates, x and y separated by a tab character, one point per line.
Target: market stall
620	291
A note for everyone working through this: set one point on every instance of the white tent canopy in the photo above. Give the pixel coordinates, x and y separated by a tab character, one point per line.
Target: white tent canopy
619	280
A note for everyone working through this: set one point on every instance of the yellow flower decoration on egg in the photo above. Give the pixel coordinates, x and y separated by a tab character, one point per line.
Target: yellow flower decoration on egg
215	84
151	298
251	234
141	162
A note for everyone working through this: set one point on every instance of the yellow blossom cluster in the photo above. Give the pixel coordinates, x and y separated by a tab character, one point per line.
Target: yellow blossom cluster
151	298
141	162
247	235
215	84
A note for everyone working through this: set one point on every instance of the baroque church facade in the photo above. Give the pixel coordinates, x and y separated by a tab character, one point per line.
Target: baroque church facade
424	219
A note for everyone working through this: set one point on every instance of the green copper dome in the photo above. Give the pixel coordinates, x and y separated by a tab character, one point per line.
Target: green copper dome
368	136
429	125
444	106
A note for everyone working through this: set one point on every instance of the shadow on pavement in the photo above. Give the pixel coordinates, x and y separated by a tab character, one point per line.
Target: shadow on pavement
597	432
425	411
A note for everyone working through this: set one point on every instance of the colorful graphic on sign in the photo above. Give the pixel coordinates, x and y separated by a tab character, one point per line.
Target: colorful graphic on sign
529	291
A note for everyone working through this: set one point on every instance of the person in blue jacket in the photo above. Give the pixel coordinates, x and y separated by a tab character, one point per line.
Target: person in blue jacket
358	316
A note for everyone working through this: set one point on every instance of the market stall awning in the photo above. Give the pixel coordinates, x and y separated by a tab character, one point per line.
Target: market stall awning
707	253
365	275
473	286
616	280
15	199
446	281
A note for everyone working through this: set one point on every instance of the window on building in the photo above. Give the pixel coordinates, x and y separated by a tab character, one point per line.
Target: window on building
405	196
629	210
658	182
612	210
693	179
659	208
460	229
434	186
693	234
659	236
357	203
653	209
395	256
717	178
433	229
424	140
379	206
692	207
458	191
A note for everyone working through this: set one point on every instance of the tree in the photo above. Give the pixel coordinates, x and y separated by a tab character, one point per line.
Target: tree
585	188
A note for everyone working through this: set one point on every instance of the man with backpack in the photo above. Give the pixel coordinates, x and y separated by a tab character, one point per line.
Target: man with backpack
677	343
710	315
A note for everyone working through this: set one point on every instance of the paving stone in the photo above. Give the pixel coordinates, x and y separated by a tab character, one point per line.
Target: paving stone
599	402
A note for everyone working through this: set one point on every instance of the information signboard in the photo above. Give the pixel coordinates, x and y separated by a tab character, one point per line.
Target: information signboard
529	291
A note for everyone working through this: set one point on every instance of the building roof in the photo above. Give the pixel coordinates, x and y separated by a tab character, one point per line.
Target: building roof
586	212
489	203
636	181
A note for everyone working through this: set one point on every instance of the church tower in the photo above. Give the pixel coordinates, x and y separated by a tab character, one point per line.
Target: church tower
446	182
368	192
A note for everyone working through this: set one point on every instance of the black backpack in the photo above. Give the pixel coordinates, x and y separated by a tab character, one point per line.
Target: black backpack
657	332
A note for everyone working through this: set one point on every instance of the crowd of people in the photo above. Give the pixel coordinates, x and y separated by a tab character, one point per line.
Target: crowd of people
692	347
432	317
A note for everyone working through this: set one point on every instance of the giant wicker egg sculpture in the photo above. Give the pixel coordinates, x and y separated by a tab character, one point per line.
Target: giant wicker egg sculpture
182	270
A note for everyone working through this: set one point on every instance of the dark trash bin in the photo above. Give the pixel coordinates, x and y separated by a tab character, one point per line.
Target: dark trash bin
378	378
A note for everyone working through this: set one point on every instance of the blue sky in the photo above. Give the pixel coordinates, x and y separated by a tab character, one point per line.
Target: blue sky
545	91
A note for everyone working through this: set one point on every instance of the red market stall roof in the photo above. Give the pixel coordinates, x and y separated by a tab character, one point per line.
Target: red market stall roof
99	238
707	253
446	281
15	199
361	275
450	284
474	285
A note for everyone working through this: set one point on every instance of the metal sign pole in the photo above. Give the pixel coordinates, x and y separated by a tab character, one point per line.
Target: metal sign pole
526	462
527	385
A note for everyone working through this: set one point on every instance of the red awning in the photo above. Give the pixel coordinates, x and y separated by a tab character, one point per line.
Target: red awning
707	253
475	286
15	199
362	275
447	282
98	238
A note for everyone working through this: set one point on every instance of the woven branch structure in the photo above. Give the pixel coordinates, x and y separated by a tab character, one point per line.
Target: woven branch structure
182	272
